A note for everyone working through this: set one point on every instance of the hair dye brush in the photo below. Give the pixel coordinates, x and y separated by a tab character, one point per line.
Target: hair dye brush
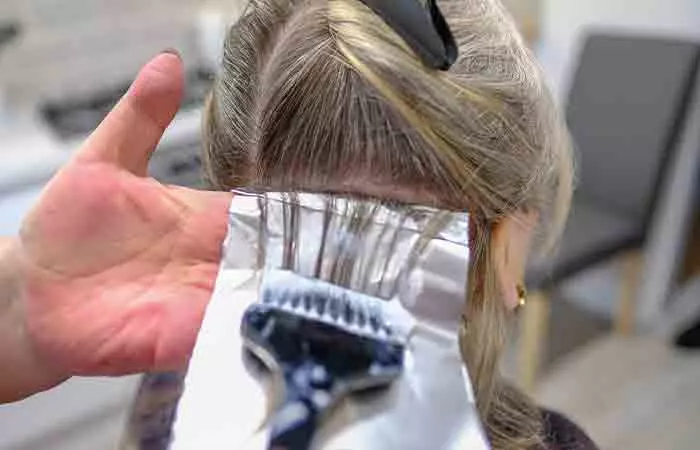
325	342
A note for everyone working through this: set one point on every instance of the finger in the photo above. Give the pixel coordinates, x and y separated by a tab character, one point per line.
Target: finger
130	133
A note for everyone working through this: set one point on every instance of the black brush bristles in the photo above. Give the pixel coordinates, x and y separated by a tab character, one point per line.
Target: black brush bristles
327	342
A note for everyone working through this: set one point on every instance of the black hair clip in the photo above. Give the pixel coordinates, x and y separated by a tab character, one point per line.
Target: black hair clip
424	29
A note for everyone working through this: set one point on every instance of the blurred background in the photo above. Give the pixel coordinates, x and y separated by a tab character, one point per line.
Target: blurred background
610	332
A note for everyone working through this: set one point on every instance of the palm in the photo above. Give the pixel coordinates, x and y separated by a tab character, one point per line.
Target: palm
119	268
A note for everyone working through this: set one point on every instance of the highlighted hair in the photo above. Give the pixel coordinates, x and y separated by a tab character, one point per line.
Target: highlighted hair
322	96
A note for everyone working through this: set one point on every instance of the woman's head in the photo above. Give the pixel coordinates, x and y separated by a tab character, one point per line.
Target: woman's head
323	96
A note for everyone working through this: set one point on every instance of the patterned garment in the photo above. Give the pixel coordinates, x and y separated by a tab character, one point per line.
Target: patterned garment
563	434
153	415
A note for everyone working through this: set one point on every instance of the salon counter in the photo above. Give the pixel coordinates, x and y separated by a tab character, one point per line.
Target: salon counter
30	153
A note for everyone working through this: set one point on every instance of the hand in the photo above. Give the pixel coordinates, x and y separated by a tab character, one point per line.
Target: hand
117	268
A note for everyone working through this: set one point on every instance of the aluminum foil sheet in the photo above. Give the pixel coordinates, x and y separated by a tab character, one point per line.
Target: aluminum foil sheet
412	255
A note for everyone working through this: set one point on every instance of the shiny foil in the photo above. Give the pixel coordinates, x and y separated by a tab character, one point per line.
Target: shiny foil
414	256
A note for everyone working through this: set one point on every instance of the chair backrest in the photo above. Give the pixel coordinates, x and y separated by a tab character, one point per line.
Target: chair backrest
626	107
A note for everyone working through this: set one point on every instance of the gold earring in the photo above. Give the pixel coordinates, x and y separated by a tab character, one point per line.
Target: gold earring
522	295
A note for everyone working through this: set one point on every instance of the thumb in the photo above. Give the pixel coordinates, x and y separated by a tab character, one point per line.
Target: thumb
131	131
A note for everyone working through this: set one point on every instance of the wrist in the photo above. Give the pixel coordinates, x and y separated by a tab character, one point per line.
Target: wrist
22	373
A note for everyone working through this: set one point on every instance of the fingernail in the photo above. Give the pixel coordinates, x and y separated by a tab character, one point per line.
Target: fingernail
172	51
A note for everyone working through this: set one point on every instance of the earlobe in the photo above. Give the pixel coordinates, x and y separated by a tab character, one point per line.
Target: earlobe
512	238
503	263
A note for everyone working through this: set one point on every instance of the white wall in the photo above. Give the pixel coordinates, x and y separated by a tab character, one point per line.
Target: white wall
565	20
72	48
69	48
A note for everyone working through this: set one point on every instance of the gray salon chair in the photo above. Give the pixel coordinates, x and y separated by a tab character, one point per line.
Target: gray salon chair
626	110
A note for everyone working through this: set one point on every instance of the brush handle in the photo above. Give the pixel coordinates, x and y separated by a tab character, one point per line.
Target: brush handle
308	394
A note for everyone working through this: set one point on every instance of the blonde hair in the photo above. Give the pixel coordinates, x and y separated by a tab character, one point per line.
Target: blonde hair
322	96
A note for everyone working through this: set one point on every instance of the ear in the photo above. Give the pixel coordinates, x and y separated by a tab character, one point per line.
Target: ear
512	239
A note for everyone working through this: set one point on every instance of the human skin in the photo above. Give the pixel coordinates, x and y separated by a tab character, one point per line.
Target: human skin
112	270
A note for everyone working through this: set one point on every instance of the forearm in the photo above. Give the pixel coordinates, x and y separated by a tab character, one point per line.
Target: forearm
21	374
